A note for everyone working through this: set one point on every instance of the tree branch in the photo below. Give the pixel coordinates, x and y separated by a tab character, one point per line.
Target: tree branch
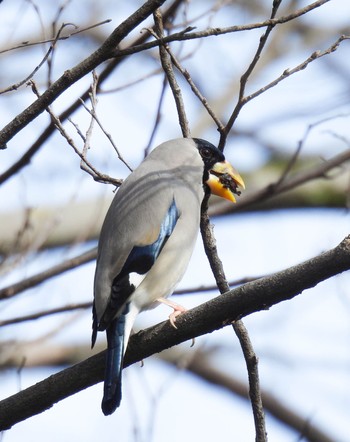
170	75
212	315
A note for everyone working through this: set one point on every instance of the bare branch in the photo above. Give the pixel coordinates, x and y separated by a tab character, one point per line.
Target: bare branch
85	164
14	289
195	90
169	72
288	72
90	169
300	145
49	312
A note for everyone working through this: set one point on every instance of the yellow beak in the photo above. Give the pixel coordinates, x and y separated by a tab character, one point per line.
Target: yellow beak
224	181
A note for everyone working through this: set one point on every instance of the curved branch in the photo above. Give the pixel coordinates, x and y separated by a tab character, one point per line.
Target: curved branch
212	315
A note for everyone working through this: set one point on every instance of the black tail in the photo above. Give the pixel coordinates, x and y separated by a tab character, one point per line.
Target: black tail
112	393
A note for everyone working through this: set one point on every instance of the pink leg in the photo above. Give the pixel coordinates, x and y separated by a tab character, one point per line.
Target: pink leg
178	309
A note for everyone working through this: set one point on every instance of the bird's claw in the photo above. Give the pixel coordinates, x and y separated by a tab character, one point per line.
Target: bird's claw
175	314
178	309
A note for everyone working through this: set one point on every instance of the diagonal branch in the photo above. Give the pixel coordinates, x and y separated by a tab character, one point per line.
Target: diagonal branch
212	315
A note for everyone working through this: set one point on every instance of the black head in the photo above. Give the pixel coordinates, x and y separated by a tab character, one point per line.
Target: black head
210	155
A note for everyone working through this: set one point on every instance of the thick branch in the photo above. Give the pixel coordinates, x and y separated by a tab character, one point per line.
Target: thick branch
213	315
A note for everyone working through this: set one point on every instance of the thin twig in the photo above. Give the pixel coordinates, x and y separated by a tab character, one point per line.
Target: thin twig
26	44
88	135
169	72
15	86
288	72
158	117
195	90
93	114
300	145
54	25
90	169
245	77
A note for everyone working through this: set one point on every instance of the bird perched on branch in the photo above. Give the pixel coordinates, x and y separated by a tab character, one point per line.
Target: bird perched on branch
147	239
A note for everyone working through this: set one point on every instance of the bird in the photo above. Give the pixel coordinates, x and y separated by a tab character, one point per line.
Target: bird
147	239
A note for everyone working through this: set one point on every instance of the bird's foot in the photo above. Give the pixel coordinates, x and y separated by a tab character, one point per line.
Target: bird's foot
178	309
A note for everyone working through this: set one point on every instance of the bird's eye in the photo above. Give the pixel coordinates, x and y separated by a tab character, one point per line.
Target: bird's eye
206	153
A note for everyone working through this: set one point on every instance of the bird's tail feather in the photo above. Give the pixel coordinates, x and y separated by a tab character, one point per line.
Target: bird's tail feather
112	393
